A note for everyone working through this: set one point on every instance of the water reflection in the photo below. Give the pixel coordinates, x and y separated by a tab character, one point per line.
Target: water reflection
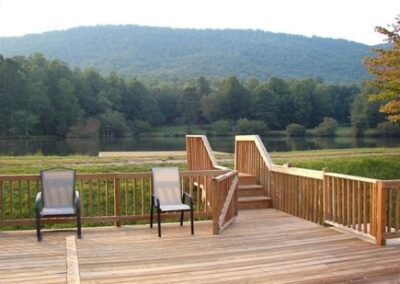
58	146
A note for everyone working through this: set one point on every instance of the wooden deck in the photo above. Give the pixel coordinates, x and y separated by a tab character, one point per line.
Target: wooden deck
262	246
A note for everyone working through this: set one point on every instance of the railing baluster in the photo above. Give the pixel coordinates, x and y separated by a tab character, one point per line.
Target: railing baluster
135	196
1	201
117	200
389	212
365	208
106	197
29	198
11	200
359	206
397	213
143	195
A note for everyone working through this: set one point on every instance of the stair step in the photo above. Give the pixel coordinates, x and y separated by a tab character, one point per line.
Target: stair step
246	179
250	190
254	202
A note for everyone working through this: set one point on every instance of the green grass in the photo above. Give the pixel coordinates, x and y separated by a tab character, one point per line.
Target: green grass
380	163
383	163
83	164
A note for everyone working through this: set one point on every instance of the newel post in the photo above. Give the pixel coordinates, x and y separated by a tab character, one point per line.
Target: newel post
215	206
117	200
381	198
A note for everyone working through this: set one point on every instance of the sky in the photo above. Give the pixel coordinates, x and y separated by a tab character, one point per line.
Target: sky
353	20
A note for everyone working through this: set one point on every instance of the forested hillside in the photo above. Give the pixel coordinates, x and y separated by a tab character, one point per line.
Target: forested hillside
47	97
165	53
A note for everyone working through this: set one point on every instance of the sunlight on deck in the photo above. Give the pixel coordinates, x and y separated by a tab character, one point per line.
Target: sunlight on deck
263	245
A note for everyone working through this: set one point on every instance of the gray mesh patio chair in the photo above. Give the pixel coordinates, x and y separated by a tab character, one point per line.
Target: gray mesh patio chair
167	196
58	197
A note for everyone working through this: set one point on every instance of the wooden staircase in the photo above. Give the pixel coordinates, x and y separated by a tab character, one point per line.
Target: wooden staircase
251	194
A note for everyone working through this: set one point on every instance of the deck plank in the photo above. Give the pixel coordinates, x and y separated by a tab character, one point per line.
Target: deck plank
262	246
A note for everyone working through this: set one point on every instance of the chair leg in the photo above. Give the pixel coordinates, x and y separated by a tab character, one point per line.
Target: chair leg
182	217
38	233
151	214
159	222
191	220
78	224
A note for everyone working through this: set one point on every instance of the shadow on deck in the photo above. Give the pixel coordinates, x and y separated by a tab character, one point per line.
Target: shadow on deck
264	245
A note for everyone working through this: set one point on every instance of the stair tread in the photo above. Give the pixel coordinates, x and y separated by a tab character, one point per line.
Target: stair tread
250	186
253	198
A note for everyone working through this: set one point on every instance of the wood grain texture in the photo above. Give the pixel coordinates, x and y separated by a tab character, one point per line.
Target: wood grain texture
73	276
261	246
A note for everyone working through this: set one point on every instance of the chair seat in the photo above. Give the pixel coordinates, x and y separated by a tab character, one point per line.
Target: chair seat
69	210
174	207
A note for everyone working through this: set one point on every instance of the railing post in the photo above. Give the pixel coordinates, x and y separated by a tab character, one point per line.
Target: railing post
325	196
381	214
215	206
117	200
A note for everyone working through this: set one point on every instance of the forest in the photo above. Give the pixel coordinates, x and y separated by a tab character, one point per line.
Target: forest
39	96
154	53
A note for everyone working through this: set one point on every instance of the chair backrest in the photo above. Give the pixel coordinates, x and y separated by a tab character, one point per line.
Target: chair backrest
58	187
167	185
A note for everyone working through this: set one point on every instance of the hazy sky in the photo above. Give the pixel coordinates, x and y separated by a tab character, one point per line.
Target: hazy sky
348	19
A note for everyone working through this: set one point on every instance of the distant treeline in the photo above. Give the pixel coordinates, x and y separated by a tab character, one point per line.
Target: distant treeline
46	97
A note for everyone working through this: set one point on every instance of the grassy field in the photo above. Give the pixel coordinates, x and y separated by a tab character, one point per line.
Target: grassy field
382	163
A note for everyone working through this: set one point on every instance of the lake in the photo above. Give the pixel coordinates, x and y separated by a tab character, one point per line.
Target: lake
58	146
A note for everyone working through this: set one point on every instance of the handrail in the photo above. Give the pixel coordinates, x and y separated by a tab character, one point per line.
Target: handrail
225	200
260	145
364	205
204	145
297	171
355	178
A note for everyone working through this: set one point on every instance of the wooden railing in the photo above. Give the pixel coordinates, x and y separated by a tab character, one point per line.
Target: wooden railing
252	158
350	202
200	155
388	211
105	197
225	200
298	192
369	207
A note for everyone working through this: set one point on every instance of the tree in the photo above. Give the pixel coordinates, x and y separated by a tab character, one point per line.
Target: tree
213	106
281	89
295	130
113	124
189	105
326	128
67	110
167	97
359	119
385	66
264	106
301	96
245	126
237	99
321	104
342	97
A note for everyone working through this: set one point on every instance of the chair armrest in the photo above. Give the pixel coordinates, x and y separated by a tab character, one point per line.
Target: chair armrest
156	201
77	200
188	196
38	201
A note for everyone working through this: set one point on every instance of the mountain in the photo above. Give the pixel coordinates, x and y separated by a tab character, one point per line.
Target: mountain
184	53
